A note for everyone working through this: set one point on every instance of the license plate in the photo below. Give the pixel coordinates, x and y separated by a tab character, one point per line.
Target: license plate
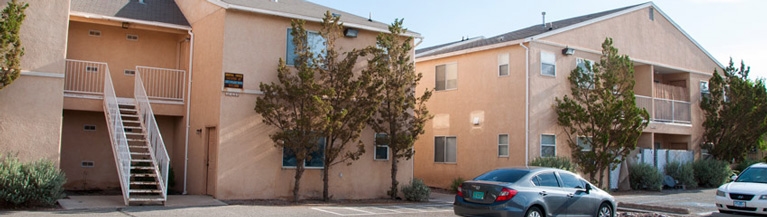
739	203
478	195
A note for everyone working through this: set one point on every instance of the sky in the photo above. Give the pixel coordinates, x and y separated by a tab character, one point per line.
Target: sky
727	29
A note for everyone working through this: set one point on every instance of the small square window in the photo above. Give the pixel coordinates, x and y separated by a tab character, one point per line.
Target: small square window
503	145
548	64
585	143
381	147
445	149
548	145
503	64
586	67
446	77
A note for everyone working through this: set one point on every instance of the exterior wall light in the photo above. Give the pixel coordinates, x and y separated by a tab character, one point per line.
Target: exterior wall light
125	25
568	51
350	32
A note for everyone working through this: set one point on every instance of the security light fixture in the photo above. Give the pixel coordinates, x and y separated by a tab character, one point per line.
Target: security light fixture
568	51
350	32
125	25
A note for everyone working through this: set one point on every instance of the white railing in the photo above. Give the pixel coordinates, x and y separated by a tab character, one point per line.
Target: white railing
117	136
85	77
666	110
162	84
156	145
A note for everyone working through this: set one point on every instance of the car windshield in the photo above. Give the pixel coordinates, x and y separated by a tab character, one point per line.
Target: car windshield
503	175
758	175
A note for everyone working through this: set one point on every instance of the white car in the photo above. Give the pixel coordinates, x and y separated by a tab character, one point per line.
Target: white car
747	194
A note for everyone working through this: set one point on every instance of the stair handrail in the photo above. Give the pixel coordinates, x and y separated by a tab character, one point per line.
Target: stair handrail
156	145
117	135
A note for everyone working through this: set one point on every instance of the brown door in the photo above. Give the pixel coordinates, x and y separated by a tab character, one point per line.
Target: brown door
211	157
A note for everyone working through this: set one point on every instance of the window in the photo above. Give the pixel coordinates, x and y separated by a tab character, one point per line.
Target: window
503	64
444	149
382	147
584	143
314	40
704	91
652	14
447	76
547	179
548	64
548	145
571	181
586	68
503	145
316	161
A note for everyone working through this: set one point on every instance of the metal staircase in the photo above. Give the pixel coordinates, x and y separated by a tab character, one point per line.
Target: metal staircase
144	182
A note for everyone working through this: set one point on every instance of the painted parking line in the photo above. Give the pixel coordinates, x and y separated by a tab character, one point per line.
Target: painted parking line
384	210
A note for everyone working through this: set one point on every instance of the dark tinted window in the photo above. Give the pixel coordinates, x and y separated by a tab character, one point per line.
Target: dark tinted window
508	175
546	179
571	181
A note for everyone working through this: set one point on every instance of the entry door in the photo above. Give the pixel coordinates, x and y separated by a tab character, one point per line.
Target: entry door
211	159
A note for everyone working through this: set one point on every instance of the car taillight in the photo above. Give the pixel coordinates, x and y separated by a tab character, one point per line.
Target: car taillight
506	194
460	191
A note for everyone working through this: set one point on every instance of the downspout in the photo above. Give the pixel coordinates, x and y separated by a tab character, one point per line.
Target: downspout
188	106
527	103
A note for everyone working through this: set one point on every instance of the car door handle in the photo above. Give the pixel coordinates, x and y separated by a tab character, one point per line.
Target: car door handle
543	193
570	195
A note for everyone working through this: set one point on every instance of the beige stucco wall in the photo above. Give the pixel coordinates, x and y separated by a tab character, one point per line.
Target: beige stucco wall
30	108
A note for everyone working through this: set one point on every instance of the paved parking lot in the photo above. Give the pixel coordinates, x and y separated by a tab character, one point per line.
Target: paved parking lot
385	210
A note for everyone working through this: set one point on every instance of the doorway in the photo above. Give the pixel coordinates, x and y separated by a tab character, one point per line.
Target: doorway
211	160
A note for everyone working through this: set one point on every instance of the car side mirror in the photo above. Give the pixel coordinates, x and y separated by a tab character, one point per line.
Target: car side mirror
588	189
734	177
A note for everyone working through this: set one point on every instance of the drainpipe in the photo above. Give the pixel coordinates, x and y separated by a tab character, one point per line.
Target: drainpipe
188	105
527	104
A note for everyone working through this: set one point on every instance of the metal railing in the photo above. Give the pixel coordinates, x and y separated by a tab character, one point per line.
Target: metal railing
161	83
672	92
157	147
666	110
117	135
85	77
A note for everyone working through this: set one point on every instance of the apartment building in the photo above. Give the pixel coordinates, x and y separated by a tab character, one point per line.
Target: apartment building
155	96
494	97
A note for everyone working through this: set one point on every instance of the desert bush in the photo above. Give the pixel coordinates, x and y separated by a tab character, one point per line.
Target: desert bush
645	176
416	191
711	173
38	183
456	182
682	172
554	162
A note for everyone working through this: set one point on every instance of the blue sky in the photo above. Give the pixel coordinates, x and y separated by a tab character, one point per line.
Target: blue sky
725	28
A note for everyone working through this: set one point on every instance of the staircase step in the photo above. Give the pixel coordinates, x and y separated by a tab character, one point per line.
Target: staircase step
133	134
140	153
136	140
128	116
131	122
143	183
138	146
134	160
146	199
143	175
145	191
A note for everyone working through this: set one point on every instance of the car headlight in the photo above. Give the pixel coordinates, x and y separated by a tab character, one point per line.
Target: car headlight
763	197
721	193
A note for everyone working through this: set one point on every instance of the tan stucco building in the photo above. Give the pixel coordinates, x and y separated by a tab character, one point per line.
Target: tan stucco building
494	97
191	114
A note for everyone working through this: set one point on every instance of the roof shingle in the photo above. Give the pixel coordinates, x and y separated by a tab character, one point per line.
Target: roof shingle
163	11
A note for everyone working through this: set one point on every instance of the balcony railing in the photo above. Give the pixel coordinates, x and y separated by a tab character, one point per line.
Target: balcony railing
666	110
157	146
163	84
672	92
85	77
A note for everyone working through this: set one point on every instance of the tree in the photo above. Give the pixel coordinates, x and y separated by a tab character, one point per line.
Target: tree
10	42
351	98
294	105
402	114
736	110
601	112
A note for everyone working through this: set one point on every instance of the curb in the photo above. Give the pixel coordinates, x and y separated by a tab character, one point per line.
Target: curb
674	210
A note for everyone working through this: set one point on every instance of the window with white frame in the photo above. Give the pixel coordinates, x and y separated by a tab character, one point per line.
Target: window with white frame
382	147
585	143
503	145
446	76
314	41
503	64
704	91
548	145
586	68
444	149
548	64
316	159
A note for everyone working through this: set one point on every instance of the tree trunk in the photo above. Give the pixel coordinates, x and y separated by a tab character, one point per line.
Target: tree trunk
394	183
325	187
601	178
299	173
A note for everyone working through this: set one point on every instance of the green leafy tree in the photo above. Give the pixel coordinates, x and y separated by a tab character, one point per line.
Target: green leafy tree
294	105
602	113
402	114
735	111
10	42
351	96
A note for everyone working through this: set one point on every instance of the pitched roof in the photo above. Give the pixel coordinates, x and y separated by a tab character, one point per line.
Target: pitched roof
302	9
162	11
519	34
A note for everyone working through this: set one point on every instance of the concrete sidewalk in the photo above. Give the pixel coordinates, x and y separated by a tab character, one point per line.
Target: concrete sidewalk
116	201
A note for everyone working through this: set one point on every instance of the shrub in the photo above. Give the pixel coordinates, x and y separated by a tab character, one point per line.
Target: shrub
711	173
29	184
456	182
416	191
554	162
682	172
744	164
645	176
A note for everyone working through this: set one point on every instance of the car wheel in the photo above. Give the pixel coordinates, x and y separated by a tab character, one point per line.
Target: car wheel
605	211
534	212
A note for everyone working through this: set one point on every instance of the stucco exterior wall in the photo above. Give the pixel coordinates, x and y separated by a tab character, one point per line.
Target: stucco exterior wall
30	108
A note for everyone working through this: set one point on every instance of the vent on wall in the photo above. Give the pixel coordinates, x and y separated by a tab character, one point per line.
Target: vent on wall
86	164
95	33
131	37
130	72
89	127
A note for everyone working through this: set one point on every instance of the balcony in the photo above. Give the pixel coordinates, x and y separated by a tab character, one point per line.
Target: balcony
85	79
671	104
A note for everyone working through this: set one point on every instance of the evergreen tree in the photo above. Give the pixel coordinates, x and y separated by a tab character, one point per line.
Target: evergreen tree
10	42
601	112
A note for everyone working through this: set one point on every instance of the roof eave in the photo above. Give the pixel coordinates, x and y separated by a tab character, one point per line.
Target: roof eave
121	19
470	50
